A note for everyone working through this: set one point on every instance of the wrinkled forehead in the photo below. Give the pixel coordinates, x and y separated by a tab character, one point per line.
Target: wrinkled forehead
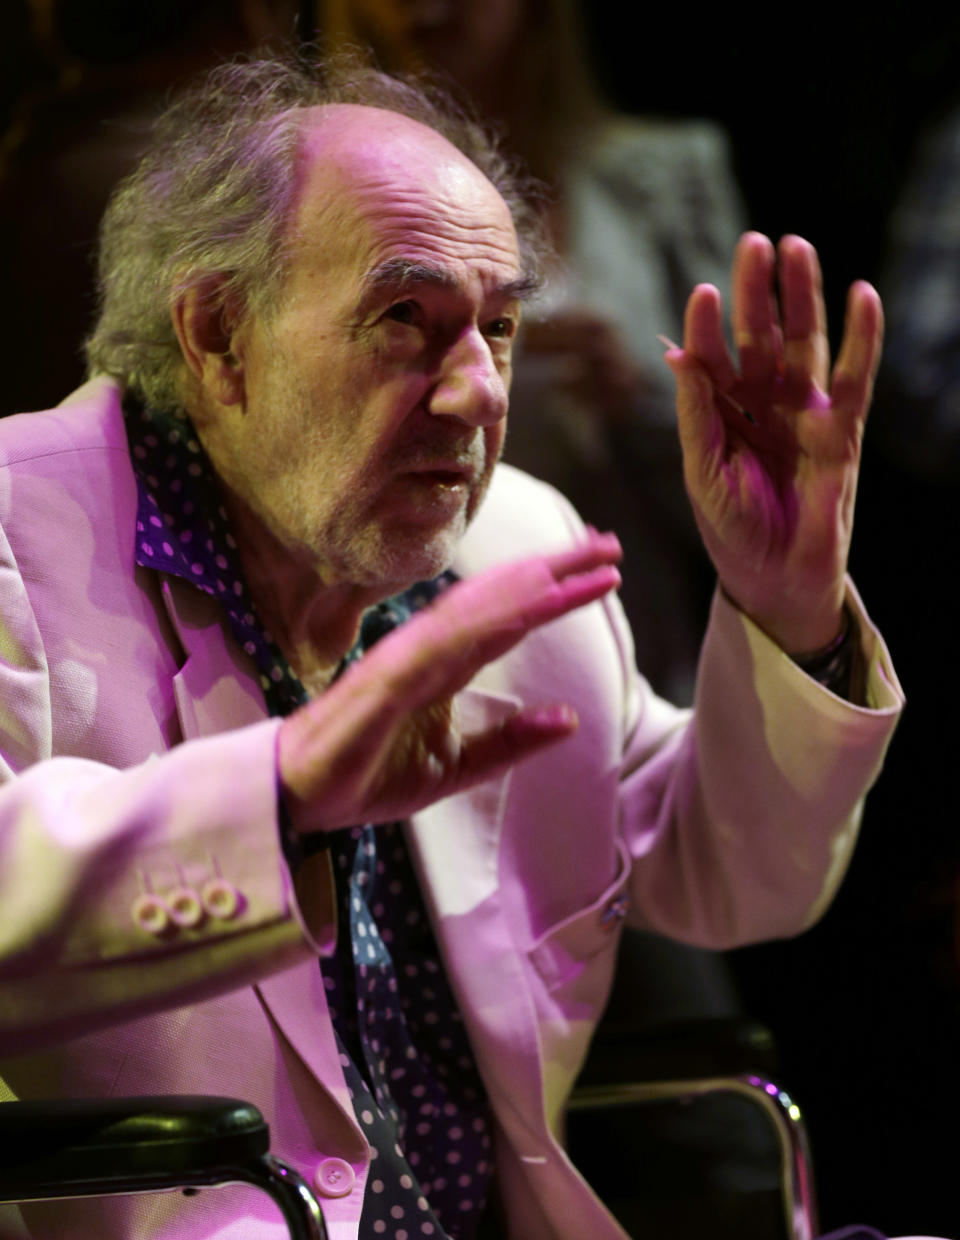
372	184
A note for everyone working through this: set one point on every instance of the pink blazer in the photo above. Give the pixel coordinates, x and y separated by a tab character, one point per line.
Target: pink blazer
136	758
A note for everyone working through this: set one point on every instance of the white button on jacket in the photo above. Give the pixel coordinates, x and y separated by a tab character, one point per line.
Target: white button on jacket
150	913
334	1178
220	898
185	907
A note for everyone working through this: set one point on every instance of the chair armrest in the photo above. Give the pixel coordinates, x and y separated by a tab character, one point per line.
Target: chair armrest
682	1050
87	1147
79	1145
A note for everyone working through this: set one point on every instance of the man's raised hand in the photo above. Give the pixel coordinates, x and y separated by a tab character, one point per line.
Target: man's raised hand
772	448
384	741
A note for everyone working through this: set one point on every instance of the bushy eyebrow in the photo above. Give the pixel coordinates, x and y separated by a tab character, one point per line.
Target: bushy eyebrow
402	275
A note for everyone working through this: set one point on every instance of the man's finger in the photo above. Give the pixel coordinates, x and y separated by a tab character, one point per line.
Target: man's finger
851	384
480	626
574	591
700	423
439	650
520	736
805	348
756	322
703	335
597	549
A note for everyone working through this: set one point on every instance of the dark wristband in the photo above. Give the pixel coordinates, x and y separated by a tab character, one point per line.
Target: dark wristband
297	847
833	665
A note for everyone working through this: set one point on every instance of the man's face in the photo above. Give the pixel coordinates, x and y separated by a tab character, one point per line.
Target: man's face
375	397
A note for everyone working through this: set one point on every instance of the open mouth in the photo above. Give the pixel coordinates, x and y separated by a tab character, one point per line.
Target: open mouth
441	477
440	492
448	473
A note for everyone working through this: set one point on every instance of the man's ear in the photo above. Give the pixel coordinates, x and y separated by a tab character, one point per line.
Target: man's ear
205	322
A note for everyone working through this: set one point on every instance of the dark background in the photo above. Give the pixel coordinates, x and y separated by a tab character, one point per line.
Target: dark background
824	109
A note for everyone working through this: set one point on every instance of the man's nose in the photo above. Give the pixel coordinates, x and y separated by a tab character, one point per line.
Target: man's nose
470	385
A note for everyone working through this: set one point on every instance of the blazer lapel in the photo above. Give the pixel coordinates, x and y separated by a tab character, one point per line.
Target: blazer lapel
297	1001
216	689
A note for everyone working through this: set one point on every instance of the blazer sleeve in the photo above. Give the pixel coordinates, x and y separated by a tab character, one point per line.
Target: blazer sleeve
127	891
741	817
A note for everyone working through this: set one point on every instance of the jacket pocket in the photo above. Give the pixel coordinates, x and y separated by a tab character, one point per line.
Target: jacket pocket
560	954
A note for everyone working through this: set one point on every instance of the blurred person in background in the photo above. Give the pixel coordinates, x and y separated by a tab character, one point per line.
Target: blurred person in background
919	397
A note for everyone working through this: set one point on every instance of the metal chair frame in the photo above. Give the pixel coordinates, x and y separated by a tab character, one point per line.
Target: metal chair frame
107	1147
796	1175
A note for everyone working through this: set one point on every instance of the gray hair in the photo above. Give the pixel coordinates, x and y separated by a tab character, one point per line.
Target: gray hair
208	203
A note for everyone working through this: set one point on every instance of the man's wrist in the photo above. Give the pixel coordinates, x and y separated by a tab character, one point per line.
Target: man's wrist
834	665
296	845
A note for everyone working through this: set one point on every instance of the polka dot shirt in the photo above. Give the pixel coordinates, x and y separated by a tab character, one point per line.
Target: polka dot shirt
404	1051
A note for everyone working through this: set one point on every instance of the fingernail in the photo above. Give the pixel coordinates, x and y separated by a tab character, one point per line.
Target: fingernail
559	715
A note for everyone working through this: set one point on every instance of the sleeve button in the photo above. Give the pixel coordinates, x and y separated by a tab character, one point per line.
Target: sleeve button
150	913
220	898
185	907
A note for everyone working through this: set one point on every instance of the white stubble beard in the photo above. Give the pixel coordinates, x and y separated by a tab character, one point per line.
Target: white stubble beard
343	536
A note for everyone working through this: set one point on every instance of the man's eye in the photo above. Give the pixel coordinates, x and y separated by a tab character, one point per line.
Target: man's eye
404	312
502	329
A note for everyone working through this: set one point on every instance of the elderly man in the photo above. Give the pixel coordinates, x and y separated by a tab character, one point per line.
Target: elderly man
286	459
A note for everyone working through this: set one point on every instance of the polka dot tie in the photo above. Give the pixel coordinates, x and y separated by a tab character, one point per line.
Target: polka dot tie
404	1050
